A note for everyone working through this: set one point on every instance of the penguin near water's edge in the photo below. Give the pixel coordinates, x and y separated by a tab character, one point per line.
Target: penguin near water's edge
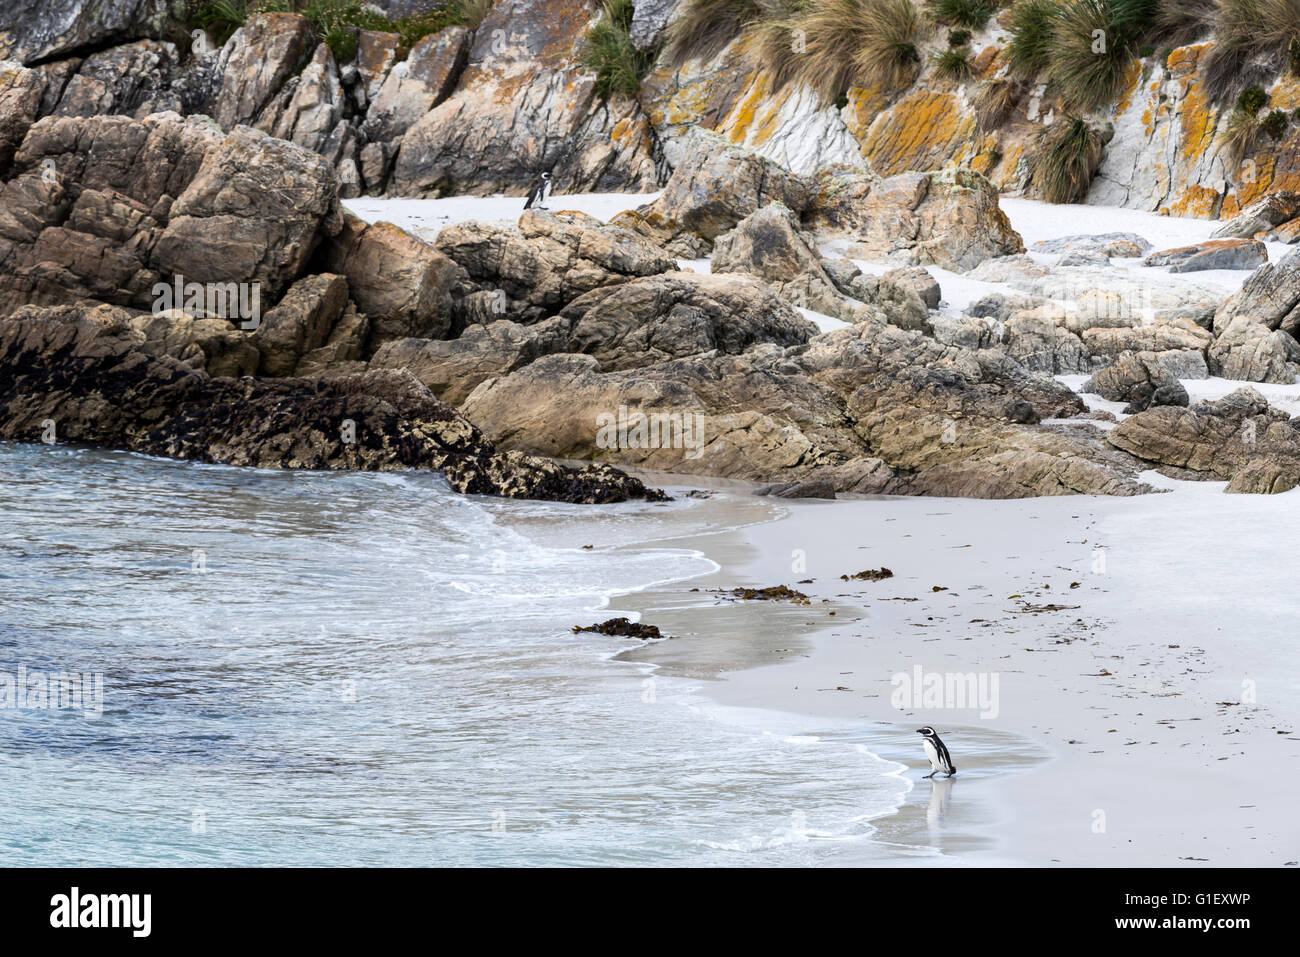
937	752
537	195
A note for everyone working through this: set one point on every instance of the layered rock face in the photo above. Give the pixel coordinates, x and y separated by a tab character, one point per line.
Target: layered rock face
173	289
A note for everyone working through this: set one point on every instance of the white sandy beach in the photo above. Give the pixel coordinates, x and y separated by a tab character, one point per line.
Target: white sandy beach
1148	687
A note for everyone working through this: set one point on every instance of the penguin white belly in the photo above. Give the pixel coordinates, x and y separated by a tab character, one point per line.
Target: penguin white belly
933	754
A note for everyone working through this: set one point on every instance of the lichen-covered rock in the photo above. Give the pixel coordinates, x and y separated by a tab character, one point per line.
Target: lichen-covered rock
525	104
1260	218
84	369
1211	254
419	83
716	185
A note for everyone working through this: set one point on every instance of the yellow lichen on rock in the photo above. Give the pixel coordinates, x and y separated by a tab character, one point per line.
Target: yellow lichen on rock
925	130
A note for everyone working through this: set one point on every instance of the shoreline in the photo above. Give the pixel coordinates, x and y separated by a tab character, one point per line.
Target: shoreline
1117	741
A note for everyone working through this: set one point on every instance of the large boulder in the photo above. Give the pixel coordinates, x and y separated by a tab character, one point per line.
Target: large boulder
451	369
300	322
257	63
255	212
1139	378
1240	439
402	283
949	219
769	244
716	185
1271	295
1211	254
680	314
1161	335
1110	245
549	260
20	98
1250	351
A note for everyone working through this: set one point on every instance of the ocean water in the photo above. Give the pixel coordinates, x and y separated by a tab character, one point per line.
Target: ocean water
347	669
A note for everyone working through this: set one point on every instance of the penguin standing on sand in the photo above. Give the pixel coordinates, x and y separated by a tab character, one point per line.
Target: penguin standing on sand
937	752
537	195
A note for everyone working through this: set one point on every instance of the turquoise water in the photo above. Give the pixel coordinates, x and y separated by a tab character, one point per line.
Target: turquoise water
342	669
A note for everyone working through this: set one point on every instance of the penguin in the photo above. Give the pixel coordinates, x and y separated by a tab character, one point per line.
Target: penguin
539	192
937	752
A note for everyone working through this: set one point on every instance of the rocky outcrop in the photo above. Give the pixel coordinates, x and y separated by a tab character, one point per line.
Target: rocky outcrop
1212	254
769	244
523	105
1140	379
257	63
1240	439
651	320
20	98
1249	351
868	408
949	219
532	271
416	85
1270	296
83	369
37	30
713	188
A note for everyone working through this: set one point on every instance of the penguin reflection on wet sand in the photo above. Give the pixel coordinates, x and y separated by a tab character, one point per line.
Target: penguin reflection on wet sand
937	752
537	195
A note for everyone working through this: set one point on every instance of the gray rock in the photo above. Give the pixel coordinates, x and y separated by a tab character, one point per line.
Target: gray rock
649	20
1212	254
1271	295
1250	351
1111	245
1275	208
1140	379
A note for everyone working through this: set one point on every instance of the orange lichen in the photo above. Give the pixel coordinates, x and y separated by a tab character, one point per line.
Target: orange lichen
924	130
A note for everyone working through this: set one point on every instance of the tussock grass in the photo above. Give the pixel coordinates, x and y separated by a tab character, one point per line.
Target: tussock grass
1089	49
705	27
960	13
610	53
1030	49
1064	160
1253	41
1180	22
994	101
952	64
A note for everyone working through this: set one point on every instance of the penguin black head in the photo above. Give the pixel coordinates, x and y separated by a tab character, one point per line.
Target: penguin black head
927	731
546	177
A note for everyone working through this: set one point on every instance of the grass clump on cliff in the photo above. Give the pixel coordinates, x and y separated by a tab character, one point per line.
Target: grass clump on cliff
1180	22
952	64
610	53
704	28
1253	41
994	101
959	13
1030	49
1093	41
1065	158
